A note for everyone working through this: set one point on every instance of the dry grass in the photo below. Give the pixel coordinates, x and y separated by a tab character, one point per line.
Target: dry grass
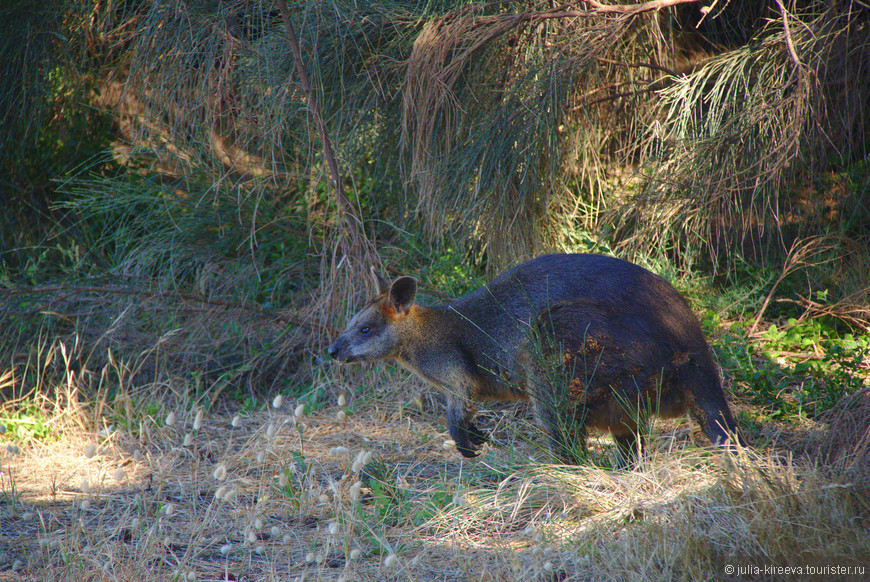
122	495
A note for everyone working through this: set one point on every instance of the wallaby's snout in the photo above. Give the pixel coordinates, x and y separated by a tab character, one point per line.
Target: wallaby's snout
341	349
334	350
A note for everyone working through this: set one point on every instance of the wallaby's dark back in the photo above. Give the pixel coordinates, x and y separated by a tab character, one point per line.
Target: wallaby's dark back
505	308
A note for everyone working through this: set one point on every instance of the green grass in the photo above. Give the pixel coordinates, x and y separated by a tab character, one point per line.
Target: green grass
797	371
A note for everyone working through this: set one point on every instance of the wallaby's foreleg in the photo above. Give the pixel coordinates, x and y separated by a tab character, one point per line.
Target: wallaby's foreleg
467	436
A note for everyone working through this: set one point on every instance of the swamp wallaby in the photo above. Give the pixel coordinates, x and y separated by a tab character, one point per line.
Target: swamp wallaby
493	344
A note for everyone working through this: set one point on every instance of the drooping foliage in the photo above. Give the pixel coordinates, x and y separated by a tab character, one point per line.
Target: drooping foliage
496	130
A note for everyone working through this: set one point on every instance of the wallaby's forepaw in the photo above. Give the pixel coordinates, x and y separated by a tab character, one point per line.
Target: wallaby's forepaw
476	436
468	438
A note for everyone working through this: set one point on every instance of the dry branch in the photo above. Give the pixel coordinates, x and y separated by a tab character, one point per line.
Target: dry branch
70	291
632	9
787	31
361	253
344	208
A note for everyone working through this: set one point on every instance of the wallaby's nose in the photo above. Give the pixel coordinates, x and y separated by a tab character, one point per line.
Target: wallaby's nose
333	351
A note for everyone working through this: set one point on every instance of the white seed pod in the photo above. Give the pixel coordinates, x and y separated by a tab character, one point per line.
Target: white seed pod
237	421
354	554
449	444
548	566
226	549
300	410
90	451
339	451
220	493
275	531
86	487
230	494
13	449
390	560
252	536
309	557
170	419
17	565
197	421
191	576
323	498
282	479
354	491
287	539
342	401
261	456
188	440
271	430
258	523
341	416
85	504
334	528
134	523
359	461
260	549
220	472
278	401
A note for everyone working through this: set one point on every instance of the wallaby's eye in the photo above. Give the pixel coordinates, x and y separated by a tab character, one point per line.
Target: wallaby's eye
365	330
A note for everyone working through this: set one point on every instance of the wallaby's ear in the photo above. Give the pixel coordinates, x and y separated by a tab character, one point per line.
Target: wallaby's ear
381	284
402	293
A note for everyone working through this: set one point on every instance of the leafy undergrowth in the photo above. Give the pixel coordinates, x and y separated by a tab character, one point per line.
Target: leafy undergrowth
366	489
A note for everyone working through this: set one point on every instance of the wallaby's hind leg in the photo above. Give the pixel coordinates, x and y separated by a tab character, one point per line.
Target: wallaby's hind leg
467	436
552	412
628	445
565	437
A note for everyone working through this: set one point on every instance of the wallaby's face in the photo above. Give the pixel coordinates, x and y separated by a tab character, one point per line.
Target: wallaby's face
375	332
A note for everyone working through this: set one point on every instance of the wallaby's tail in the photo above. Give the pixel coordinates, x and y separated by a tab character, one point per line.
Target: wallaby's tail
707	403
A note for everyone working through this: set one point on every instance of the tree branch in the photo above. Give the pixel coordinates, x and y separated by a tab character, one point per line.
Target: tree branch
670	72
635	8
352	222
788	42
72	290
